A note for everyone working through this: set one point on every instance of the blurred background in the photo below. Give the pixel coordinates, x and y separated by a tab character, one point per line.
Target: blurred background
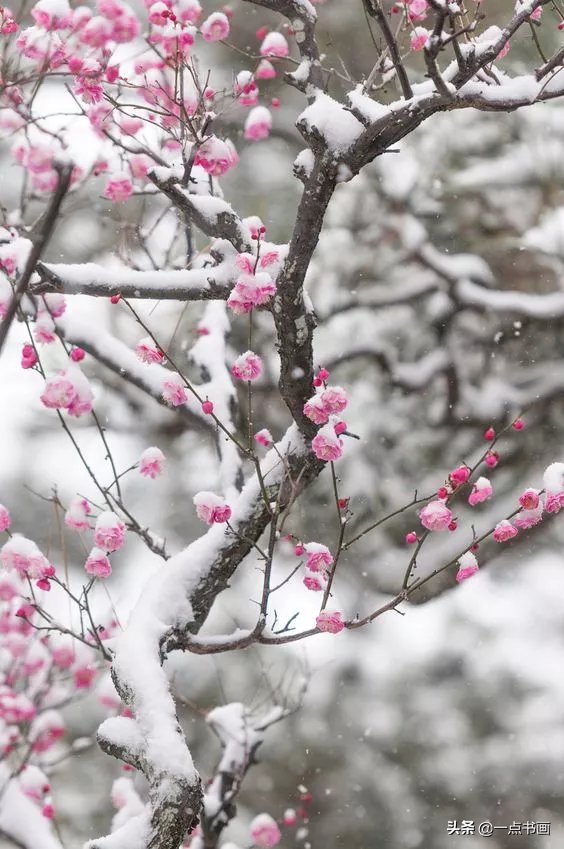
453	711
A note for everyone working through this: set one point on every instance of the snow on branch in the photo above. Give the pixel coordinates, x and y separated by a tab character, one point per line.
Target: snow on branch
172	606
197	284
20	819
212	215
541	307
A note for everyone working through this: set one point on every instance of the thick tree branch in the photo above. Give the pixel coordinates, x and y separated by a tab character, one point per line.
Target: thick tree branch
40	243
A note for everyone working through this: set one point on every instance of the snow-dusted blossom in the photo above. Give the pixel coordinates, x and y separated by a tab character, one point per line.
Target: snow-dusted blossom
326	445
98	564
315	410
69	390
216	156
265	831
83	676
274	44
315	581
319	558
459	475
247	367
504	530
76	517
481	491
44	329
148	352
330	621
215	27
118	189
211	508
435	516
63	655
526	519
174	391
34	783
246	88
22	555
258	124
529	499
251	290
151	462
468	566
334	399
418	38
553	480
265	70
109	532
264	437
46	729
5	520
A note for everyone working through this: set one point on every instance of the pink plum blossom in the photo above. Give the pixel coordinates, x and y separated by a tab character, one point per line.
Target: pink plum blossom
435	516
23	556
265	70
553	480
330	621
315	581
258	124
63	655
418	38
151	462
98	564
248	366
481	491
315	410
216	156
319	558
504	530
264	437
274	44
251	290
174	391
468	566
529	499
526	519
211	508
69	390
326	445
148	351
188	11
215	27
5	520
52	14
76	517
109	532
44	330
29	357
265	831
246	88
83	676
334	399
118	189
418	9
